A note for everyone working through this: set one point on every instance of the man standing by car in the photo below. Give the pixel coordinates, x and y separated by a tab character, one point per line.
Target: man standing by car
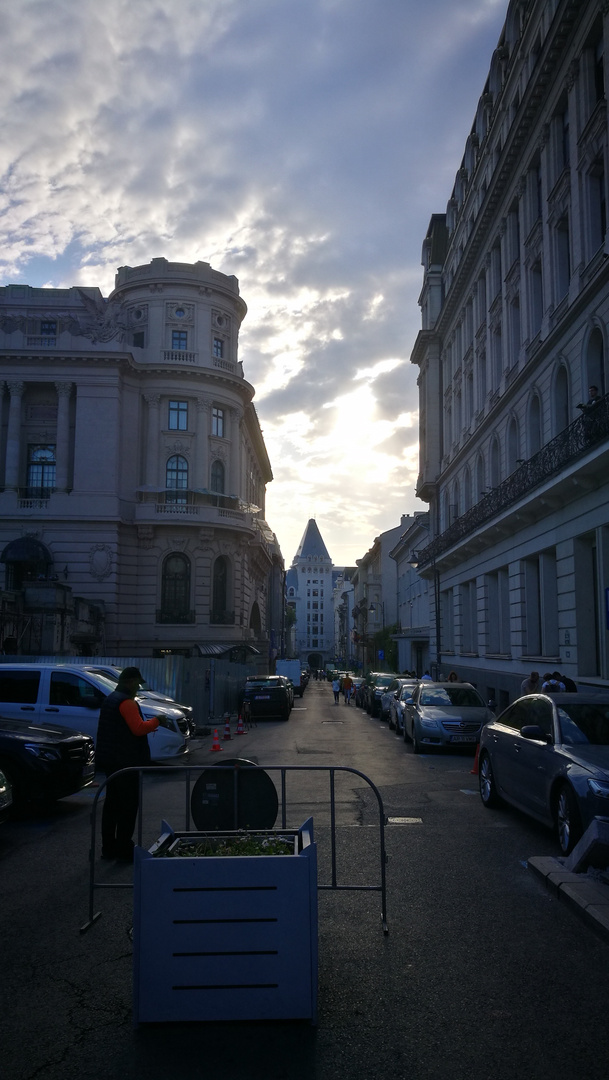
122	742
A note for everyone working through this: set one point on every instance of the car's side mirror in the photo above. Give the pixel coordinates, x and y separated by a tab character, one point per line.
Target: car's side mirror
535	732
408	701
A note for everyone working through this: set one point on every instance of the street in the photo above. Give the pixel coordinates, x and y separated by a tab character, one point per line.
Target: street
483	974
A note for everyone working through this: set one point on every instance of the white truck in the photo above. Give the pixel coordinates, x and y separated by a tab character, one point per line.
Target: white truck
292	671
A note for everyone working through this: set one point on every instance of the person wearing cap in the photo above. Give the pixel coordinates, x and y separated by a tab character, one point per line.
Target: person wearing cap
122	742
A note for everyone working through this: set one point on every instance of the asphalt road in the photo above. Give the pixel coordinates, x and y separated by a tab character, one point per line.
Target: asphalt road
483	974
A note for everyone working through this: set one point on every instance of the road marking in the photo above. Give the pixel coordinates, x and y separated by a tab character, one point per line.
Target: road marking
404	821
332	721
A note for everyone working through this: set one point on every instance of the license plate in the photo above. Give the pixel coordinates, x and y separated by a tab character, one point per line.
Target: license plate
463	738
262	697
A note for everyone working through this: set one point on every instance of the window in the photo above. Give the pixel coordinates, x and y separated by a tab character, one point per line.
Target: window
139	339
41	470
179	339
178	416
70	689
175	588
536	297
217	422
48	330
19	686
218	348
541	605
219	588
217	477
563	258
176	479
534	425
498	613
598	207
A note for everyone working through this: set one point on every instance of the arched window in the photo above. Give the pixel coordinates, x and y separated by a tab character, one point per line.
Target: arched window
534	425
176	479
495	463
595	362
480	478
561	400
217	477
219	590
513	449
467	490
175	589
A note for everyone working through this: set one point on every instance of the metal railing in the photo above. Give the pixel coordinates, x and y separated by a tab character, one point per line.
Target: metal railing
188	770
582	435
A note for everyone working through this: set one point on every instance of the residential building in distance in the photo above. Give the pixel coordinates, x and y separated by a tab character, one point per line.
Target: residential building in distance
133	469
412	634
514	443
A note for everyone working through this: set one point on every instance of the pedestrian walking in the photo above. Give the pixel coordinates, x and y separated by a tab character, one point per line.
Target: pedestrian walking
336	690
347	688
122	742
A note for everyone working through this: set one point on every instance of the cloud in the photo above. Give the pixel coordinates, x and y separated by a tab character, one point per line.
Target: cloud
301	147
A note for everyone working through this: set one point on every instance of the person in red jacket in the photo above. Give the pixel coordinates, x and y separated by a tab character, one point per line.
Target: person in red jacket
122	741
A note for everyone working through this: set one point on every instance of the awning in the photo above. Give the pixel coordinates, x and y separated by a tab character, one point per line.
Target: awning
208	649
26	550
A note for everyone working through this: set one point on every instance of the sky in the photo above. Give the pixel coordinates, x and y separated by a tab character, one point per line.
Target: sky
301	145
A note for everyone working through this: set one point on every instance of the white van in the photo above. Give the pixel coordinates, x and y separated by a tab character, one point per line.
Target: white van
65	694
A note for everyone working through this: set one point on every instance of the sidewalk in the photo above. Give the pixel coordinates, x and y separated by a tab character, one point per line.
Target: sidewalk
586	894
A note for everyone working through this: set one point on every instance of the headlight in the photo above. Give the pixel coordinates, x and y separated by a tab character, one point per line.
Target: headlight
46	753
428	723
600	788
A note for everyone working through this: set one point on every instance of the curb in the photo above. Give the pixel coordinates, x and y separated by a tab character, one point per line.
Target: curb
585	895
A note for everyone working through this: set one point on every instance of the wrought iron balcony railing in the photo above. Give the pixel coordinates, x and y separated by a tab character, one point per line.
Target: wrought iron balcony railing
589	430
222	618
164	615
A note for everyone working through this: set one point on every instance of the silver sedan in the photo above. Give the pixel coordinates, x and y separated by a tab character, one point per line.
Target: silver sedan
441	715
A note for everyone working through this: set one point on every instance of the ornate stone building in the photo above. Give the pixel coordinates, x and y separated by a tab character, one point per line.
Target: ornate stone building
515	327
309	592
131	452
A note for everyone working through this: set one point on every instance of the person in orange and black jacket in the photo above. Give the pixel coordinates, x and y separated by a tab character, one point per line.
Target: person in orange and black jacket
122	741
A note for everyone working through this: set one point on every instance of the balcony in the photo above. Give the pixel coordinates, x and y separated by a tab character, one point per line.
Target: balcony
197	504
582	436
179	356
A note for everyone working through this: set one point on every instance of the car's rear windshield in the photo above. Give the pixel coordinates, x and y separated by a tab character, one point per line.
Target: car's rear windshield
462	696
383	680
584	723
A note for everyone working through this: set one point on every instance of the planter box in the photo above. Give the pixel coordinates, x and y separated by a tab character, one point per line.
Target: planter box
226	937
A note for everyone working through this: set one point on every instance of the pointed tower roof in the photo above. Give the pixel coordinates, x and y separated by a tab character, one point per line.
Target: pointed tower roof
311	543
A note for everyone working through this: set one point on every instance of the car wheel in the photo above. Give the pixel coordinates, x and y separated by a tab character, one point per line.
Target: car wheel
568	821
488	793
15	779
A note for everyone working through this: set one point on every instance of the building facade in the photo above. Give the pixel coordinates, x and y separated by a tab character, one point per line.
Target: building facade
515	325
309	592
131	456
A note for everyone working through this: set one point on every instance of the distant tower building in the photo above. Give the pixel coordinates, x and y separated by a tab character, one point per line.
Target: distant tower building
309	593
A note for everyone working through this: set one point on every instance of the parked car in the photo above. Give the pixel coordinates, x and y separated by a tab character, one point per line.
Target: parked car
376	684
266	697
439	715
549	757
6	796
44	762
146	695
396	718
71	696
388	696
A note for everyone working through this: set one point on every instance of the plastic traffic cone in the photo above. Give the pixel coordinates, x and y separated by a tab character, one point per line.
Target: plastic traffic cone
227	734
474	770
240	728
216	743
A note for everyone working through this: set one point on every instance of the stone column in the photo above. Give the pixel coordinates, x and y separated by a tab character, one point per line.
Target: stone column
13	438
202	477
234	477
62	449
152	442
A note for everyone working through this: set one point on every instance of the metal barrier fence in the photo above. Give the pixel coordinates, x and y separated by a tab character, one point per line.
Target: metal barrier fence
236	770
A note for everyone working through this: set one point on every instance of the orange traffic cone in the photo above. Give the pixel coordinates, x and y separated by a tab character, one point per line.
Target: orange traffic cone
227	734
240	728
474	770
216	743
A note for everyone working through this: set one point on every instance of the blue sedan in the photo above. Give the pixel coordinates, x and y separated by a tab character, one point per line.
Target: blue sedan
549	757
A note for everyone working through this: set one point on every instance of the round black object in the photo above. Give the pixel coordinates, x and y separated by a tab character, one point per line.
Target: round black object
243	797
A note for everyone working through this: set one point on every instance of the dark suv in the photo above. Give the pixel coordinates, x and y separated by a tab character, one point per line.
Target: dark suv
266	697
376	684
